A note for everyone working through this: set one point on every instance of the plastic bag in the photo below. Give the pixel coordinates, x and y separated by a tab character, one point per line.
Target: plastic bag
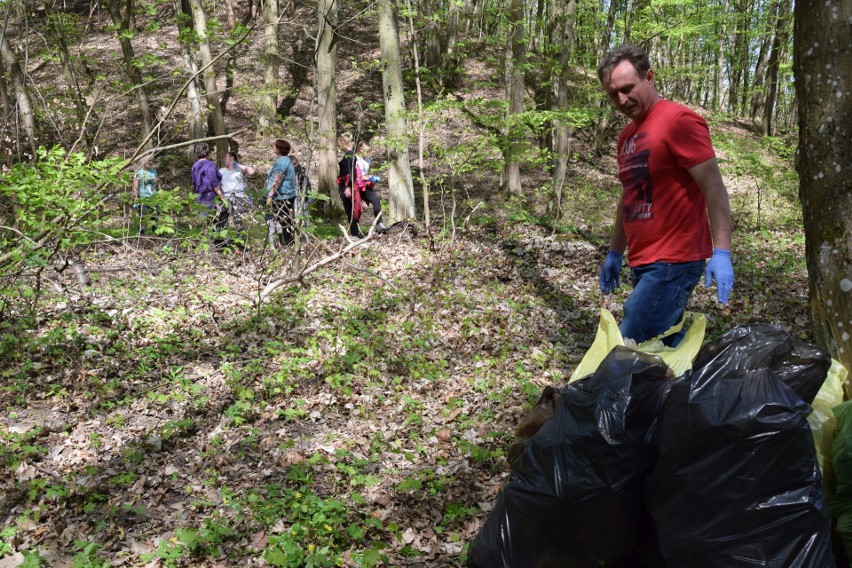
574	496
823	423
737	481
608	336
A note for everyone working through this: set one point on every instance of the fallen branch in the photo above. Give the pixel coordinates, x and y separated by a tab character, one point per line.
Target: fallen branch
279	281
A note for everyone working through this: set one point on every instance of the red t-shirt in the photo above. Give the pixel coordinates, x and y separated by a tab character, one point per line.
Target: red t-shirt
663	209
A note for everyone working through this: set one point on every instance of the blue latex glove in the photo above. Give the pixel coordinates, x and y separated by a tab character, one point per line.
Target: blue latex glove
611	272
720	269
375	179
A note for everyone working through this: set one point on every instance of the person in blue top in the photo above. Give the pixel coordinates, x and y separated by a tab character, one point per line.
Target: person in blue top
281	191
145	185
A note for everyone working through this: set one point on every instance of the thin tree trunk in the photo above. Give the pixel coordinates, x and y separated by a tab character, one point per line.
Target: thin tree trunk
775	57
512	166
22	95
216	117
758	99
823	69
432	51
326	88
183	13
638	6
269	100
602	48
720	58
229	14
68	71
124	33
4	90
563	129
399	174
421	135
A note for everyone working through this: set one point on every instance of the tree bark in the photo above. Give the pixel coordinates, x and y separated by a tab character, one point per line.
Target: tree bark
720	58
823	69
4	90
124	32
68	71
183	13
421	135
758	98
563	129
216	117
400	183
514	131
269	100
326	88
775	57
602	47
22	95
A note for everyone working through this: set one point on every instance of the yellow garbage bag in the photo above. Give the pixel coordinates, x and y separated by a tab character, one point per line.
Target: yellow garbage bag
823	422
679	359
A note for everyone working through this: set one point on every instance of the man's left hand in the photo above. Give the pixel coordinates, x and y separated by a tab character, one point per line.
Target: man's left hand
720	269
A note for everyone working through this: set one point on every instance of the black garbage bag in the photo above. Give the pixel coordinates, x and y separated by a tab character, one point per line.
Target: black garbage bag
574	496
737	482
801	366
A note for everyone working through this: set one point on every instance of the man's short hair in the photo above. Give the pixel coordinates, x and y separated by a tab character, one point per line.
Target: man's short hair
202	150
632	53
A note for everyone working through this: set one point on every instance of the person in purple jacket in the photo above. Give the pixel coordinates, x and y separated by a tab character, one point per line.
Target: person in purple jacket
206	179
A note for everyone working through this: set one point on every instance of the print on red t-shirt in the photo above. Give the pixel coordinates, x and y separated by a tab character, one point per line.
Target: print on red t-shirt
663	209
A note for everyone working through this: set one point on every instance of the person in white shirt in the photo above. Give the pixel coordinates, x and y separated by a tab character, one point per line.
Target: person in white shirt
234	188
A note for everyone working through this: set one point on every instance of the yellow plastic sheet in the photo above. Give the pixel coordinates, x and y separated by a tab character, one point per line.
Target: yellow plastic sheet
822	421
679	359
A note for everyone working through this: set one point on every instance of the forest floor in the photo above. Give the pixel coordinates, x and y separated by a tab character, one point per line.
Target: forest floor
163	416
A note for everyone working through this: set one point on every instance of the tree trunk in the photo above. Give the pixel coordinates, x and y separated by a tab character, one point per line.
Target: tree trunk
22	95
400	183
431	34
823	69
720	59
421	134
229	14
600	128
638	7
216	117
124	34
4	90
563	129
514	132
758	99
73	84
183	12
775	57
326	89
269	100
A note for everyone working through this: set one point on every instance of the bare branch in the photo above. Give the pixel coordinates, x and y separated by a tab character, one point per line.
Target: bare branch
282	280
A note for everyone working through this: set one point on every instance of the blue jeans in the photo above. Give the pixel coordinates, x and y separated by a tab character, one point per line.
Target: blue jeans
660	292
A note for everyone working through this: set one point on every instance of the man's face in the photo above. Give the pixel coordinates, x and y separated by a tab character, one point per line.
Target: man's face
633	95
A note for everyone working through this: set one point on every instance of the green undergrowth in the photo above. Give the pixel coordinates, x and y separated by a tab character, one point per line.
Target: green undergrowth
360	417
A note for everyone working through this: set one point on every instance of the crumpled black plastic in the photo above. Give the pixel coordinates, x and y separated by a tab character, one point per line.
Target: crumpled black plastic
801	366
574	497
716	468
737	482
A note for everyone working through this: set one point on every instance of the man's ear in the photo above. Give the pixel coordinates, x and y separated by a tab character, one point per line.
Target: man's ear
650	75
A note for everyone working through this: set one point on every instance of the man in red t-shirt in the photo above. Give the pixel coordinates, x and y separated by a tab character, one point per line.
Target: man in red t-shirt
674	211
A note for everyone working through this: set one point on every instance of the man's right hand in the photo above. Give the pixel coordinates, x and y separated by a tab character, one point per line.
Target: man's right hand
611	272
